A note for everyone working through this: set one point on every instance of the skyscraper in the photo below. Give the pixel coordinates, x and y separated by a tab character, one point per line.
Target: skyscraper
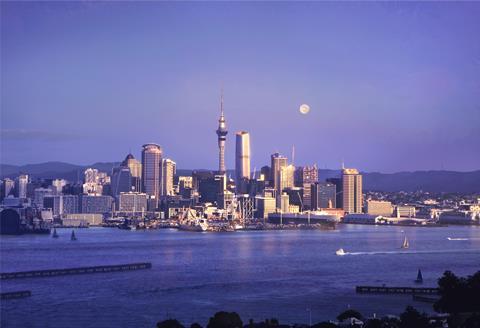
151	170
242	161
8	187
287	174
135	171
222	137
93	184
121	180
22	182
339	190
169	169
323	195
278	162
304	177
352	191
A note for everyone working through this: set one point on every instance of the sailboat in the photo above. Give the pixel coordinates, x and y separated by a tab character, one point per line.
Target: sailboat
73	237
405	243
419	279
55	235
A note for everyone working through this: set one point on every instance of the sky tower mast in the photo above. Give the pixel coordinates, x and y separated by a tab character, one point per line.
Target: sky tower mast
222	137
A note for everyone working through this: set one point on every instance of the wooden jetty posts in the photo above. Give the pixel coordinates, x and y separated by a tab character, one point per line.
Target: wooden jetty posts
396	290
73	271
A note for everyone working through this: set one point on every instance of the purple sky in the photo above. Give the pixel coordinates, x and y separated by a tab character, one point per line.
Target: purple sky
391	86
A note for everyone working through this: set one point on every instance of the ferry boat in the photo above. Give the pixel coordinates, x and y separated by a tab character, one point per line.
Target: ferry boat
198	225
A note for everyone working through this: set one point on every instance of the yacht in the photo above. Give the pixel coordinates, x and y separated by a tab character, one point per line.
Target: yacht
419	279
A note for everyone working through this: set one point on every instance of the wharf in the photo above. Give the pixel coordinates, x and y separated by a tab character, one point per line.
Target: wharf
396	290
73	271
13	295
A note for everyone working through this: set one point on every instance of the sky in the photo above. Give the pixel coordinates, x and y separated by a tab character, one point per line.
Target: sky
391	86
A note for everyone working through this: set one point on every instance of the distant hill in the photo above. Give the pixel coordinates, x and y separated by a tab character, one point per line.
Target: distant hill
53	170
432	181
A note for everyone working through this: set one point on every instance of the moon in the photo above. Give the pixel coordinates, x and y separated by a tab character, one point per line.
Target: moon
304	109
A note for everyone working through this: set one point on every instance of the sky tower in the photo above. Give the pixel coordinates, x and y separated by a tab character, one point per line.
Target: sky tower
222	137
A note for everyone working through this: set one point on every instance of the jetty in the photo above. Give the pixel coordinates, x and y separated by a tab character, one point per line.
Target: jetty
13	295
73	271
396	290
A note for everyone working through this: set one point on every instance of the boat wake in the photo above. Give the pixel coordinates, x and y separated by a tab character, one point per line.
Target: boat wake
413	252
456	239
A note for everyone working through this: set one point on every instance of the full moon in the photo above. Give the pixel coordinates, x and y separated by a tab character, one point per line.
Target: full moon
304	109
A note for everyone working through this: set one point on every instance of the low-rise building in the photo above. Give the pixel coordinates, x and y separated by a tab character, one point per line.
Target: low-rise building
82	220
405	211
379	207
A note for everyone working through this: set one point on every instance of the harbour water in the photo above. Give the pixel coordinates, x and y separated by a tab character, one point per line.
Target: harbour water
259	274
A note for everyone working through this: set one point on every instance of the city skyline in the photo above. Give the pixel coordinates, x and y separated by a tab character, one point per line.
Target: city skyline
84	89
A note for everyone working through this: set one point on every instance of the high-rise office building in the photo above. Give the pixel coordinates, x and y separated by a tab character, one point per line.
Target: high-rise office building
40	194
8	187
55	203
121	180
287	177
323	195
151	170
352	191
22	182
222	137
278	162
304	177
135	171
242	161
57	185
169	168
94	181
339	189
70	204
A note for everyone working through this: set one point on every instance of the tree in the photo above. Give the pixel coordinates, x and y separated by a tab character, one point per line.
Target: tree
170	323
374	323
349	314
458	294
324	324
412	318
225	320
195	325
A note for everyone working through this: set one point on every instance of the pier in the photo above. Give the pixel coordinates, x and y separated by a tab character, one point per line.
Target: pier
13	295
73	271
396	290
